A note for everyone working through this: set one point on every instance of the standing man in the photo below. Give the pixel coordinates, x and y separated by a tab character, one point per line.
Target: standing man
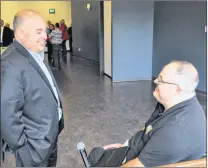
31	108
56	41
6	35
49	45
70	39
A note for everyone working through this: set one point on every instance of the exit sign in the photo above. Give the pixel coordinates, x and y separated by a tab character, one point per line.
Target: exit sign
52	11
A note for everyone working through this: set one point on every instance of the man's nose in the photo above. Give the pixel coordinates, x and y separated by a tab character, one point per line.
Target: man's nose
156	81
44	36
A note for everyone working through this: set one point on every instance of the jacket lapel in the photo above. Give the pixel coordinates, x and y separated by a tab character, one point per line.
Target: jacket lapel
55	84
32	61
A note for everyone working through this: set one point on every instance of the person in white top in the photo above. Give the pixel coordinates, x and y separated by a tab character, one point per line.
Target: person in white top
56	41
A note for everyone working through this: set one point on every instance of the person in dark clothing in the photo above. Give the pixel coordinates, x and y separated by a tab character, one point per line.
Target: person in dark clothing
7	35
176	130
49	45
70	39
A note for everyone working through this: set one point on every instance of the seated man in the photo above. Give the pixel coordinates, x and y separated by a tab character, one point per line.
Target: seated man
176	131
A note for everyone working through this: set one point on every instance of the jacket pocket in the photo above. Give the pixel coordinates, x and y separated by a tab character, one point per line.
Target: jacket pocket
23	157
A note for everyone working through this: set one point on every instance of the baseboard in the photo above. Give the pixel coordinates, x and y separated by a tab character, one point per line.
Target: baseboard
102	73
133	80
83	58
198	91
107	75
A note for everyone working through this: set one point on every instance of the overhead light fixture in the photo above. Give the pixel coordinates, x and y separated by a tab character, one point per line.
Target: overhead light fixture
88	6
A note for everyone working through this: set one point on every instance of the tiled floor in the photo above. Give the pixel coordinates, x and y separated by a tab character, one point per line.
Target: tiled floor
97	112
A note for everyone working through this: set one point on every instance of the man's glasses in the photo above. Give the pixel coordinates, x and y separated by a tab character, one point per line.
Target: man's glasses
159	80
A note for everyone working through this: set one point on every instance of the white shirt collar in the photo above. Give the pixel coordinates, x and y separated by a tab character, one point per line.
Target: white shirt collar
39	56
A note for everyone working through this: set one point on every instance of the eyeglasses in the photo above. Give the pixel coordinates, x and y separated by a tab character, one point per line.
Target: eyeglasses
162	81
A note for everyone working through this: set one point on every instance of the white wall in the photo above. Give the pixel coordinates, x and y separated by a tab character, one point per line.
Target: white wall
107	37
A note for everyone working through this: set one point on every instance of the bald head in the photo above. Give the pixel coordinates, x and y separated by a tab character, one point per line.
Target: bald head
22	15
185	74
30	30
176	83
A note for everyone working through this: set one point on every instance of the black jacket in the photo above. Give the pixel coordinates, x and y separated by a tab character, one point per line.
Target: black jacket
7	37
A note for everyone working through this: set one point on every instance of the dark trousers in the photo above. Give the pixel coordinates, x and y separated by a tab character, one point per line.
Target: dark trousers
49	51
64	52
56	55
70	45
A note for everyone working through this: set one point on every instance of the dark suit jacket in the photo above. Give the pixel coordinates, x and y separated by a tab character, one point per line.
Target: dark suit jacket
7	37
29	116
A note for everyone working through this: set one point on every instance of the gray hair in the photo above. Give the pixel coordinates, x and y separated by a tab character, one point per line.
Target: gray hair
187	74
17	22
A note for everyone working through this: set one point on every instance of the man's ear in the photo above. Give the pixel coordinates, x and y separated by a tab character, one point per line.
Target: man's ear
19	33
179	90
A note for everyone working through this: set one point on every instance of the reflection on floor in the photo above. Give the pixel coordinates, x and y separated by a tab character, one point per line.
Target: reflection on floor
97	112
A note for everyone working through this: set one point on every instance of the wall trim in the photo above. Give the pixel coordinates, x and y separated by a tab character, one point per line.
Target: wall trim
83	58
107	75
132	80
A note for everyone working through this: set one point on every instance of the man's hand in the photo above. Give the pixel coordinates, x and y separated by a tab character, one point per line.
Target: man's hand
112	146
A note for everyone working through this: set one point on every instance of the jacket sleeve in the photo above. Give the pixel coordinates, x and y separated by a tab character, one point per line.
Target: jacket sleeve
28	152
136	145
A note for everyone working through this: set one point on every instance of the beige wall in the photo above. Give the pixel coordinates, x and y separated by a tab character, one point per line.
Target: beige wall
63	10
